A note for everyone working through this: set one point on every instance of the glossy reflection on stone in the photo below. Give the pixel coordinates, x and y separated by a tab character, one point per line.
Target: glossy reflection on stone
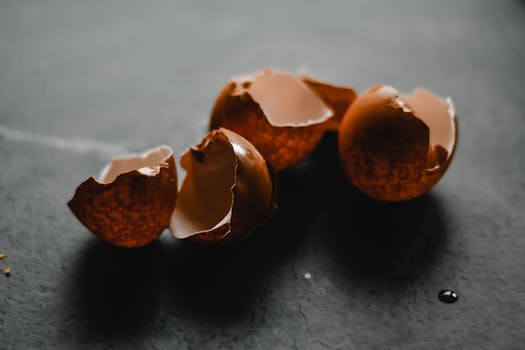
448	296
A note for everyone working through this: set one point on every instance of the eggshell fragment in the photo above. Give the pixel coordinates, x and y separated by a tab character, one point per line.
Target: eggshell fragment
275	111
338	98
396	147
227	191
132	203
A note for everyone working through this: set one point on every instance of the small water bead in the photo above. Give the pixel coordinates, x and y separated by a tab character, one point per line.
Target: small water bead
448	296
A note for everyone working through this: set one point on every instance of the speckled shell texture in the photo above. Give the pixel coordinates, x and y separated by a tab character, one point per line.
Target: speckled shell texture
281	146
131	211
385	149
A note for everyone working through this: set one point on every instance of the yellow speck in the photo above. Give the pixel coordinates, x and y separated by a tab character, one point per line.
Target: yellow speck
2	256
7	271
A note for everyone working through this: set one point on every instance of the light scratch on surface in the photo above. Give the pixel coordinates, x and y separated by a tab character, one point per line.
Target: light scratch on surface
75	145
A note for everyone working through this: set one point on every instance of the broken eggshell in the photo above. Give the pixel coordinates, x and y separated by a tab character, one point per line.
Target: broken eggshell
395	147
133	201
227	192
338	98
284	117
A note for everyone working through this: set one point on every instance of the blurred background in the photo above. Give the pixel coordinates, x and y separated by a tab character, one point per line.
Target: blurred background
82	81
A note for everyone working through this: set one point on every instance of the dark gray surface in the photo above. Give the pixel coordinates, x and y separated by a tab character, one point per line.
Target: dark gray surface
81	80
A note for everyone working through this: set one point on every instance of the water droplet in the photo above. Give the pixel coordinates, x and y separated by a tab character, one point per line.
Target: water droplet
448	296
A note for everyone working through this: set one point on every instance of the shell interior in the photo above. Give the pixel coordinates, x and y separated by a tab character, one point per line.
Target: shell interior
205	198
439	116
148	163
284	99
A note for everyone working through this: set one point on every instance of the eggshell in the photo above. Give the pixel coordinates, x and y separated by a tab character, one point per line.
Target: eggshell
275	111
338	98
396	147
227	192
132	203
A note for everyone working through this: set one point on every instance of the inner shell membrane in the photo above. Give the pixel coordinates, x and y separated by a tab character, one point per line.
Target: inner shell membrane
205	198
147	163
286	101
439	116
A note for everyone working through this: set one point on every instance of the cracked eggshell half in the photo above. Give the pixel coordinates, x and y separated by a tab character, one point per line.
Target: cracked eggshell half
133	201
395	147
275	111
227	192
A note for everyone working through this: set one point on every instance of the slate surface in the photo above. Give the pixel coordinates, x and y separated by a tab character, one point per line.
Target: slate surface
82	80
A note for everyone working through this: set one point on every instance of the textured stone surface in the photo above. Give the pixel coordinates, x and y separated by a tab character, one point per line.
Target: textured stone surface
332	270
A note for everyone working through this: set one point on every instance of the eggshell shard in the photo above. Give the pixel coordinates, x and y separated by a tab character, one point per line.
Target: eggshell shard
338	98
227	191
396	147
277	112
132	203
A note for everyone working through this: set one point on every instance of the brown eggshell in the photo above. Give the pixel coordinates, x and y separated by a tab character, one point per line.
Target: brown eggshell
396	147
338	98
132	203
278	113
227	192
